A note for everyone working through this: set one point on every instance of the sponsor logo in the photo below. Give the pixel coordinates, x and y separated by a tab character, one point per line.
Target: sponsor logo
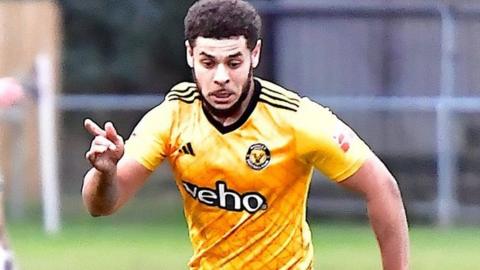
225	198
258	156
187	149
343	138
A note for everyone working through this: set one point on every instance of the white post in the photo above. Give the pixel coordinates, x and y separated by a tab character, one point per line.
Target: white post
48	144
447	204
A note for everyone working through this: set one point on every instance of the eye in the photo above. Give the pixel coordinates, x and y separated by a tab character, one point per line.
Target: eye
208	63
234	64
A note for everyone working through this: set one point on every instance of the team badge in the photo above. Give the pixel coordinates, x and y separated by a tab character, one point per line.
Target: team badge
258	156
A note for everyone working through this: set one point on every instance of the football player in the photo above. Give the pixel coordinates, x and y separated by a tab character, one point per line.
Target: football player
243	151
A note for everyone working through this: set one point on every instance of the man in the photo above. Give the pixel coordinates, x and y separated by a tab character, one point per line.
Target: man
11	93
243	151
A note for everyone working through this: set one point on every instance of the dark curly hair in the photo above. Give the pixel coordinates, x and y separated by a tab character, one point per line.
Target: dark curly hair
222	19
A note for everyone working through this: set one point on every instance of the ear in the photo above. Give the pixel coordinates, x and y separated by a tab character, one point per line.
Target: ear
189	52
256	53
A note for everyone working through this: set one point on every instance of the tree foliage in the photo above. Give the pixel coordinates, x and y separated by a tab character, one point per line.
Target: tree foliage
123	46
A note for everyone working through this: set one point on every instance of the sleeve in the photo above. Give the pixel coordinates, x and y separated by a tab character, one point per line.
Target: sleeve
149	142
328	144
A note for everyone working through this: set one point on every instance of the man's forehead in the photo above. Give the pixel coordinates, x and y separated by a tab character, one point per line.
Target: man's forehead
220	47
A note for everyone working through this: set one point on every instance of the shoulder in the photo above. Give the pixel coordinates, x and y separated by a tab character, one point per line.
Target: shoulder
179	98
306	117
315	118
185	92
278	97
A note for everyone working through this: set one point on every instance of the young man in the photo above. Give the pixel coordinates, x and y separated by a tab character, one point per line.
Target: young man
243	152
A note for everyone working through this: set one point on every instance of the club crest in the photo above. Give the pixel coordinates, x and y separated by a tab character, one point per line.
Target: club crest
258	156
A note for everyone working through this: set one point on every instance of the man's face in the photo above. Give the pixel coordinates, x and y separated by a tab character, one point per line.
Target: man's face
222	69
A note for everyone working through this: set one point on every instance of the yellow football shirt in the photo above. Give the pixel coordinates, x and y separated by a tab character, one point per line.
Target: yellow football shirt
245	186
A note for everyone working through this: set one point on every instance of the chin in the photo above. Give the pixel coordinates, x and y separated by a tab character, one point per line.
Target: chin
223	110
223	106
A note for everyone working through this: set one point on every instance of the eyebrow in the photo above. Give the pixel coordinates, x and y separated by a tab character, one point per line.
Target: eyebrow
235	55
229	56
207	55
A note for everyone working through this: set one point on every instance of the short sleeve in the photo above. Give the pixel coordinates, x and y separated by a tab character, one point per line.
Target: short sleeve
325	142
148	143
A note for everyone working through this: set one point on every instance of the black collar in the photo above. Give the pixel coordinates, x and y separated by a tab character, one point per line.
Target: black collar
250	107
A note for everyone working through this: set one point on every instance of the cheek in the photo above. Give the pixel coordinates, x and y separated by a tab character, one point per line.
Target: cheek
201	78
241	74
201	74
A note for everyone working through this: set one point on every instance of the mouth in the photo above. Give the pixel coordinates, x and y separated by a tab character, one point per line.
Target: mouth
221	96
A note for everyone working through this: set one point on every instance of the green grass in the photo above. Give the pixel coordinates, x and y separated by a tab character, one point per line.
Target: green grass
102	246
107	243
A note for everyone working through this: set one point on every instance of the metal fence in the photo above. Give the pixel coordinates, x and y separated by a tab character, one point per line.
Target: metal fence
445	105
445	207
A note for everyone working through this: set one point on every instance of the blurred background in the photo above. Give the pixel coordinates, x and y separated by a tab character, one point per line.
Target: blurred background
403	74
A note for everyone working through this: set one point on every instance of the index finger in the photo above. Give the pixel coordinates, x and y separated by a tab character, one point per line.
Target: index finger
111	132
93	128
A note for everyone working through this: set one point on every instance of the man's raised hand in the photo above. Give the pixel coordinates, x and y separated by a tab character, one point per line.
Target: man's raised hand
107	147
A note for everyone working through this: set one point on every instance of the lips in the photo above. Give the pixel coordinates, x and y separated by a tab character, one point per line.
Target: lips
221	96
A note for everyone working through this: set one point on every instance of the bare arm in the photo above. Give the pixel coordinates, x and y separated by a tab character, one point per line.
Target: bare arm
385	210
113	179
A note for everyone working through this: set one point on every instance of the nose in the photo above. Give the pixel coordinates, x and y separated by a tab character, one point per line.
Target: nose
221	75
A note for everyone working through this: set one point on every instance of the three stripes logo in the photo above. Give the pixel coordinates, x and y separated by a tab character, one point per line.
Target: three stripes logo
187	149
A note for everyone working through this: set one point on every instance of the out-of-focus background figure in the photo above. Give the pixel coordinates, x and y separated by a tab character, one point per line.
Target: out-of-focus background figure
11	93
29	47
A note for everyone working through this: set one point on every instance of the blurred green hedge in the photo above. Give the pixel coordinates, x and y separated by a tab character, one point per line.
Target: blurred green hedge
123	46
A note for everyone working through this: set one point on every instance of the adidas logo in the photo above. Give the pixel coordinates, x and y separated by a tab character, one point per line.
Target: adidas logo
187	149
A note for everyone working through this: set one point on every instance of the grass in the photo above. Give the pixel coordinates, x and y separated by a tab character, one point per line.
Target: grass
102	246
144	237
108	244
